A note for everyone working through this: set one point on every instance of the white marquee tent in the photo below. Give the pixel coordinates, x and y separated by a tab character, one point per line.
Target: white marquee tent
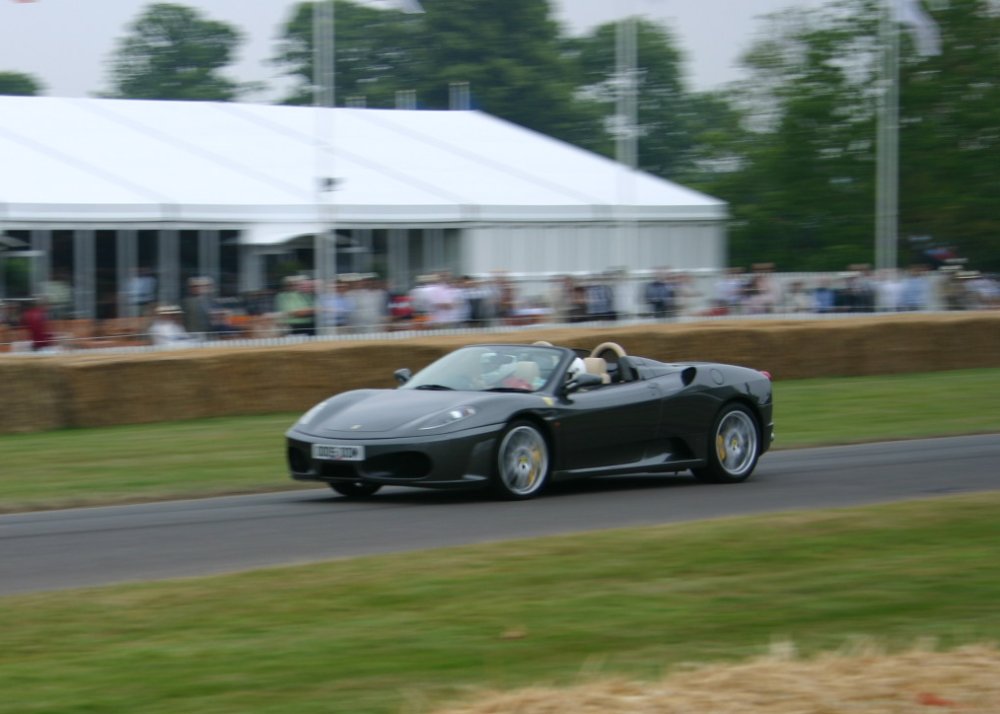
429	189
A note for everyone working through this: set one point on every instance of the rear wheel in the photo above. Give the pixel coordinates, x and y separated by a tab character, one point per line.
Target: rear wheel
356	489
733	446
522	463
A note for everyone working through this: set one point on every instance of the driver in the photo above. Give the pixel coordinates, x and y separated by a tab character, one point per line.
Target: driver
576	368
497	369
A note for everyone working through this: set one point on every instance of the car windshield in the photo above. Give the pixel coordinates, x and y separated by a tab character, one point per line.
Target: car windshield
500	368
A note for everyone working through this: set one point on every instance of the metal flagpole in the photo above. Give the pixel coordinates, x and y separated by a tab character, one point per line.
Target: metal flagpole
887	153
324	100
928	42
625	59
626	140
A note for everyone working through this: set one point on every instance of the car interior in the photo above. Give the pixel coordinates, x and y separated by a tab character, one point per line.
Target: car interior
610	362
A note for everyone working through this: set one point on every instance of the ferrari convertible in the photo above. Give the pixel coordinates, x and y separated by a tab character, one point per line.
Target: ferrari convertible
513	418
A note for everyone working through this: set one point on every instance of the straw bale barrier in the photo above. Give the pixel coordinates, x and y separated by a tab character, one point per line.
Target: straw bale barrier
31	397
103	389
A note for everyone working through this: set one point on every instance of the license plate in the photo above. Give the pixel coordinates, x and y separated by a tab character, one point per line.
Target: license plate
338	452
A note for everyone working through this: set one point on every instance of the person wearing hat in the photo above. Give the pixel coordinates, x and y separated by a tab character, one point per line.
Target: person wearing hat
167	330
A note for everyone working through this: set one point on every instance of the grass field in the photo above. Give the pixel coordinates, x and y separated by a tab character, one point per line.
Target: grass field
246	454
405	633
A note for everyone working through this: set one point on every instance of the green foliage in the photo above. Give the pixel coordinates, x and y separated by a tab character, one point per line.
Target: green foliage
804	195
173	53
377	53
950	135
508	53
16	275
19	84
665	145
716	139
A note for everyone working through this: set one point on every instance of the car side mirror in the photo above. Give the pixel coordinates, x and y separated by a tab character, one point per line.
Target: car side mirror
402	375
582	380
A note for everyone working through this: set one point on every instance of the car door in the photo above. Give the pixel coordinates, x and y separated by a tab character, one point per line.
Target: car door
610	425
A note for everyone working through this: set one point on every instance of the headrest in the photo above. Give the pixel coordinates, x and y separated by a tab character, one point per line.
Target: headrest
598	366
527	370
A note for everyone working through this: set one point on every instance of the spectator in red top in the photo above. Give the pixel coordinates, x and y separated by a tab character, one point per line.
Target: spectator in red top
35	320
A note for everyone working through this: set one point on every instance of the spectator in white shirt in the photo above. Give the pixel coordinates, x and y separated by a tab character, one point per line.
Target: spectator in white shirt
167	329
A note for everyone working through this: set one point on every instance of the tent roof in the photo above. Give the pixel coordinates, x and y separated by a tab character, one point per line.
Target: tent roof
73	160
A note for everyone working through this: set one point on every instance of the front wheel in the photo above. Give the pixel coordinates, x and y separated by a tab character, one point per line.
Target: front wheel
522	463
356	489
733	447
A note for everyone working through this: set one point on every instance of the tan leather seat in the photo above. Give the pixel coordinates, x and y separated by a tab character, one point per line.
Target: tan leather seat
598	366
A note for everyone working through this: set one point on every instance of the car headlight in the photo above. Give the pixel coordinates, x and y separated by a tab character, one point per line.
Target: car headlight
448	417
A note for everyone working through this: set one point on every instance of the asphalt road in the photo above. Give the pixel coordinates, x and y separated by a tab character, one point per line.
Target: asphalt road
97	546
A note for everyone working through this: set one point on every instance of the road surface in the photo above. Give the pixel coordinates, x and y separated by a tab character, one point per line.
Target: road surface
96	546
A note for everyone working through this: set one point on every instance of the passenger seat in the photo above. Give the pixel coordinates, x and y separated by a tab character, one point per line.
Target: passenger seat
598	366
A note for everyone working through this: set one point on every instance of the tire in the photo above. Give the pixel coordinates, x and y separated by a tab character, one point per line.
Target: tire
522	462
733	447
356	489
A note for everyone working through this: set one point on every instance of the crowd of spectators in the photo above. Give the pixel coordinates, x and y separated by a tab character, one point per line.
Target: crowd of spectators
363	303
353	304
857	289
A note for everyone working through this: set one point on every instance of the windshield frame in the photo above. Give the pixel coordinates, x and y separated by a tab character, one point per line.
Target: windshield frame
492	368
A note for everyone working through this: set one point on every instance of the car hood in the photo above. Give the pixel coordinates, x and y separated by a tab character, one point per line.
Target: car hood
385	412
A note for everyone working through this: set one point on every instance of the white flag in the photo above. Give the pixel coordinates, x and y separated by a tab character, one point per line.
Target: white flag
925	30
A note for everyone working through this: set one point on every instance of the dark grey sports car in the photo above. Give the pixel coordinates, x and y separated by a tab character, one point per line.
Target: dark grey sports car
513	417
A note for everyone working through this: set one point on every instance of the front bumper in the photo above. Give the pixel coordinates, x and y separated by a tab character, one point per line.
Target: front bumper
451	460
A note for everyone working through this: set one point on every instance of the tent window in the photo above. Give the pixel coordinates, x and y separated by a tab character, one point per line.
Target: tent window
106	258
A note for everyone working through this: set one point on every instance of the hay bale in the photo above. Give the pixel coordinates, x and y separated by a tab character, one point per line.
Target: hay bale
33	398
104	389
137	389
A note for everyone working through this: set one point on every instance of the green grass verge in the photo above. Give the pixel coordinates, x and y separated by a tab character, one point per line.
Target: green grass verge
907	406
403	632
246	454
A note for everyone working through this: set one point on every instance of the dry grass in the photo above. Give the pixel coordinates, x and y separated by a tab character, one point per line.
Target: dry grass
865	680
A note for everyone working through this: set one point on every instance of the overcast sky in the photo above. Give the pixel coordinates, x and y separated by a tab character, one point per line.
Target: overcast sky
66	43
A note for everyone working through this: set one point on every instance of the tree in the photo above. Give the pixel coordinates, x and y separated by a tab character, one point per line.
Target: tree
805	194
18	84
718	139
173	53
805	198
665	135
509	53
378	53
950	137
